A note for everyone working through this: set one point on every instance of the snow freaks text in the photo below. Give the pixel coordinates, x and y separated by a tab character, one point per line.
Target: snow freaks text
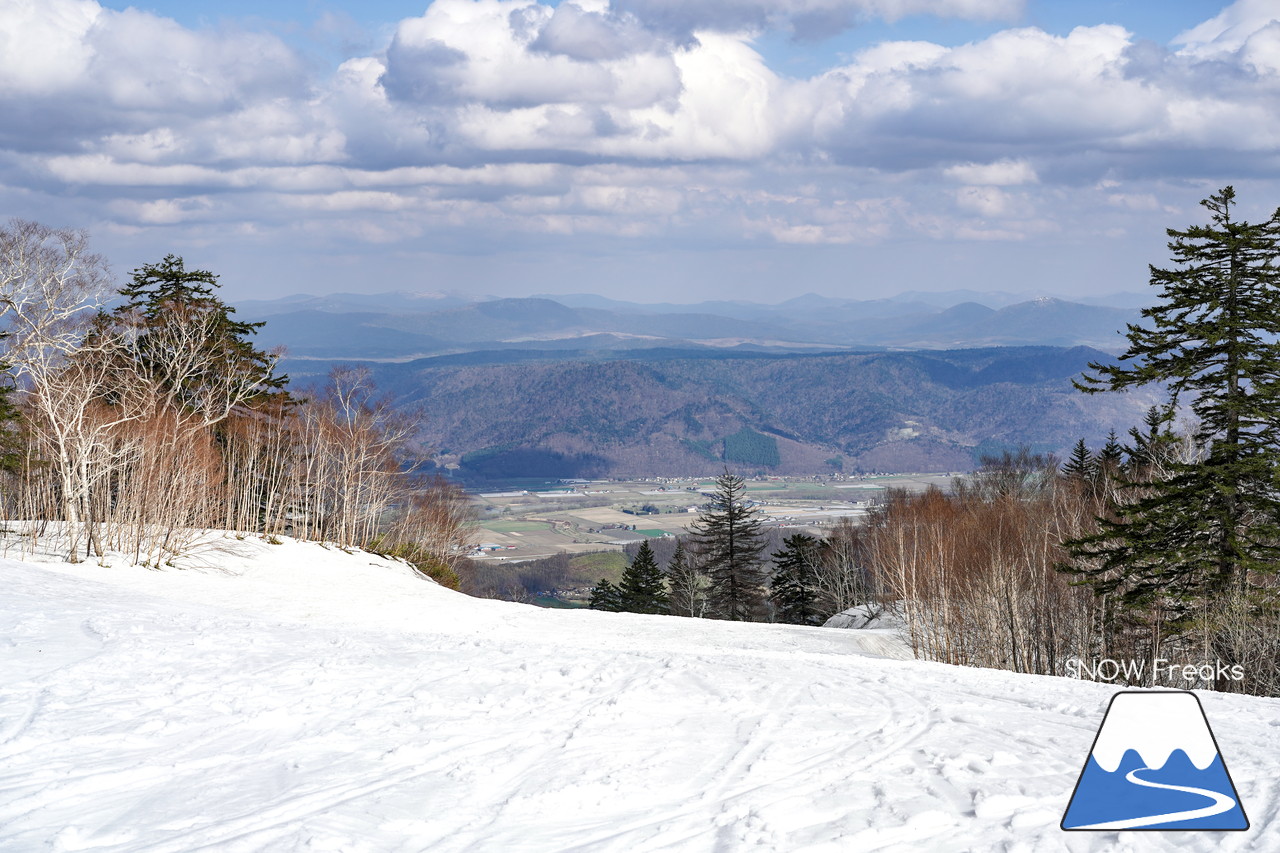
1161	670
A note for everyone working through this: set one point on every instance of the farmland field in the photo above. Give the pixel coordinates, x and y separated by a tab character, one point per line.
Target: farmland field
521	521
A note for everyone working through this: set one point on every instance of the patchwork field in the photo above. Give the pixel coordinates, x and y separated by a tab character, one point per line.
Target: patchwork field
530	520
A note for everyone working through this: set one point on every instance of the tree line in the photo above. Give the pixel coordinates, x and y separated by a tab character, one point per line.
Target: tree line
139	417
1161	547
1164	546
720	571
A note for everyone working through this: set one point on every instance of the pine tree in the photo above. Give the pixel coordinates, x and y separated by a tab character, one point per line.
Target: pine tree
1201	528
606	596
729	543
166	301
1111	456
794	591
1081	466
688	584
642	587
1151	449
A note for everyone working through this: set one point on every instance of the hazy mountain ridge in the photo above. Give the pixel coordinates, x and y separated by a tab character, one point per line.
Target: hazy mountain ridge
391	326
590	414
598	386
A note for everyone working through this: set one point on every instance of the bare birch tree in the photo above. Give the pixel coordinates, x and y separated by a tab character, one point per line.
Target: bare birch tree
50	287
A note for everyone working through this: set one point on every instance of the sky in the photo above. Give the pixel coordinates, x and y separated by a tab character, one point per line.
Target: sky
651	150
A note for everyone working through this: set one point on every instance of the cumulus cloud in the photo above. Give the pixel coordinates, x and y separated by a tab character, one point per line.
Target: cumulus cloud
44	46
505	75
72	72
1230	30
494	52
1020	87
1246	33
133	60
632	119
986	201
589	35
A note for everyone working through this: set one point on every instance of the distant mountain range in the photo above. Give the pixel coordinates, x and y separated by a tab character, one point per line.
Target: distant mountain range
398	326
511	413
586	385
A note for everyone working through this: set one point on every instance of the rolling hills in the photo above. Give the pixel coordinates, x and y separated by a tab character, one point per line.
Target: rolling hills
586	385
672	412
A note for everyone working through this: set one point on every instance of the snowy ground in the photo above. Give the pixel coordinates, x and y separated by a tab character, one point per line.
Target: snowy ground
284	698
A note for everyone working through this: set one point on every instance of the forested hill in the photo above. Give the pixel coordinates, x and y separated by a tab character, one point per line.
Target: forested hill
663	412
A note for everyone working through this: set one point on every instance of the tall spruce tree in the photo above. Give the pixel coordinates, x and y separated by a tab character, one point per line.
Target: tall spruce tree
794	591
642	587
1111	456
1081	466
1199	529
167	296
729	543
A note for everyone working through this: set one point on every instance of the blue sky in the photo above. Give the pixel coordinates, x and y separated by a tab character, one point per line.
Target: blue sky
645	149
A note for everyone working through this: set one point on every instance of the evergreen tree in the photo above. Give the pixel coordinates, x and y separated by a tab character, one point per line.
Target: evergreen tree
688	584
1151	449
606	596
1199	529
1111	456
794	591
642	587
729	543
163	299
1081	466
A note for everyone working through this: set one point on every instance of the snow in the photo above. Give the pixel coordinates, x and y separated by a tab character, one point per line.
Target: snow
867	618
295	698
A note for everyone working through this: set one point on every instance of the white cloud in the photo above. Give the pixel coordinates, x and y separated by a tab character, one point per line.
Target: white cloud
165	211
491	119
493	52
591	35
44	46
1001	173
486	70
134	60
1229	30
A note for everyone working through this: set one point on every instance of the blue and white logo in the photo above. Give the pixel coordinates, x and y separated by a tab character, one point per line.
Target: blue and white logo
1155	765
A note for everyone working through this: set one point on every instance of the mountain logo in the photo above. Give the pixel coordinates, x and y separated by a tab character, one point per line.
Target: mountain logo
1155	765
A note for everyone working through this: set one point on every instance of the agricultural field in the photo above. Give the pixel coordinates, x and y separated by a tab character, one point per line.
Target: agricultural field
529	520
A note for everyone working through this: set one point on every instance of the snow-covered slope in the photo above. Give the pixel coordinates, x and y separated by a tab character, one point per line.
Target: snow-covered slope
291	698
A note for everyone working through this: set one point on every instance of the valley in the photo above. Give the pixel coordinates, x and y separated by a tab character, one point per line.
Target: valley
542	519
583	387
492	416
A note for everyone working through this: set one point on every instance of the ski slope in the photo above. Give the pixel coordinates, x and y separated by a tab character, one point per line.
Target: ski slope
293	698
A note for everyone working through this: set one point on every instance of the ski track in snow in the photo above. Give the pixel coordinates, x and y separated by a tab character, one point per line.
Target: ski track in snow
309	700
